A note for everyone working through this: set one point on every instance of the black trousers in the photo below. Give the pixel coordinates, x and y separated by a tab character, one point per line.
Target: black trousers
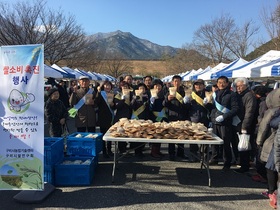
86	129
107	146
180	149
272	178
225	133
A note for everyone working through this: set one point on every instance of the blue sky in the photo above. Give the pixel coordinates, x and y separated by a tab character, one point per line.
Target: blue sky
164	22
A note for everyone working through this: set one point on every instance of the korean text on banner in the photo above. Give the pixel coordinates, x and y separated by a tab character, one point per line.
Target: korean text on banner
22	117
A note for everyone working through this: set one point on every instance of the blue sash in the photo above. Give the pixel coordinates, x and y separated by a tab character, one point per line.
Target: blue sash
83	100
104	96
160	115
221	108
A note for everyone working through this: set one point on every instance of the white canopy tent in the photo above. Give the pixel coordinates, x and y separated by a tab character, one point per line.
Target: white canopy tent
167	78
260	67
68	70
207	74
95	76
194	76
234	64
275	70
54	73
191	73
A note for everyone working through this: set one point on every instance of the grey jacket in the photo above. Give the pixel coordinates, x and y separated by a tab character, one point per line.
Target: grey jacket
265	136
275	123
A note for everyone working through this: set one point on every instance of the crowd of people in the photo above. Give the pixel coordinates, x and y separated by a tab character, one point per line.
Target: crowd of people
254	112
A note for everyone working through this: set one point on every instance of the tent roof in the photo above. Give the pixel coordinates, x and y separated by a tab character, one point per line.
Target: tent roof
228	69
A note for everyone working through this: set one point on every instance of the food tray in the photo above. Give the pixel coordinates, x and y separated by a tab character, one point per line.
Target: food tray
75	174
81	146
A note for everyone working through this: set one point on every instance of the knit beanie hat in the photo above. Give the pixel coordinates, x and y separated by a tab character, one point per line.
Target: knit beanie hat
51	91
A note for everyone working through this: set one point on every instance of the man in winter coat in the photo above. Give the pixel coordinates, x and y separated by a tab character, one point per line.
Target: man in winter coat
222	118
85	120
176	111
246	114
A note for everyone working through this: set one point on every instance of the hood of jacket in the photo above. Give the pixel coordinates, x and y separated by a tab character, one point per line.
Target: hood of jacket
273	99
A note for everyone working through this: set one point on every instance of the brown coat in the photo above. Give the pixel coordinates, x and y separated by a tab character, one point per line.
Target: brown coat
86	116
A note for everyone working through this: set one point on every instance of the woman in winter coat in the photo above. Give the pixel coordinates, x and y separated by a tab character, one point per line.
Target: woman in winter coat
56	113
123	108
277	157
158	112
265	139
104	102
140	106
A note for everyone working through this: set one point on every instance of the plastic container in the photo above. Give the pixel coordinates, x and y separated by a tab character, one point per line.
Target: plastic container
83	146
75	174
53	150
49	174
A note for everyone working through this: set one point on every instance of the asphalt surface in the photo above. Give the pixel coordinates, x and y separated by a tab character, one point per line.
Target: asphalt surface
153	184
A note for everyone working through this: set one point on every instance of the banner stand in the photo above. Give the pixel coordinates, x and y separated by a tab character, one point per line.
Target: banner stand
34	196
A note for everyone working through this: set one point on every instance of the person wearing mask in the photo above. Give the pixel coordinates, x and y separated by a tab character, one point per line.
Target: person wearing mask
104	102
175	111
199	108
83	100
223	116
158	112
56	113
246	114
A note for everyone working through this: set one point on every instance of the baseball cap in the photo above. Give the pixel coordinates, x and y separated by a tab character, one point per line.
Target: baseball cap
201	81
83	77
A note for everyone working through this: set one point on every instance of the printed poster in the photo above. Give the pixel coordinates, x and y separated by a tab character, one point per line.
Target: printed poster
22	117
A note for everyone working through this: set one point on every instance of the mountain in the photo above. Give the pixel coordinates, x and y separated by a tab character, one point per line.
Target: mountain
127	46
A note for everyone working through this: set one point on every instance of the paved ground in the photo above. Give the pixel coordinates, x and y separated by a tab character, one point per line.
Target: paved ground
151	184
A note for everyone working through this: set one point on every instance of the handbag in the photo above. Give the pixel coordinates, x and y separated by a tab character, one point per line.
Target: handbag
244	142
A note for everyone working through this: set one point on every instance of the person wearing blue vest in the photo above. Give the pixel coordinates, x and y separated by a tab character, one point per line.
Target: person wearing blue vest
223	116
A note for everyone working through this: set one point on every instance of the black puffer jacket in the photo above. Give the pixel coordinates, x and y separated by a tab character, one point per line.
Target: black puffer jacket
55	111
247	111
198	113
175	109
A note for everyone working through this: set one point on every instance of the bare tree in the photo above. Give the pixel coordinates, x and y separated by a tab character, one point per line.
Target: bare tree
211	39
116	66
23	23
271	21
186	59
242	40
